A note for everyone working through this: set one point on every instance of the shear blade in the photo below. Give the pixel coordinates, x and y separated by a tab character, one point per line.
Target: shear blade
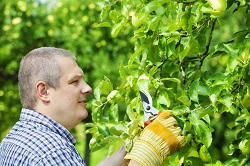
144	97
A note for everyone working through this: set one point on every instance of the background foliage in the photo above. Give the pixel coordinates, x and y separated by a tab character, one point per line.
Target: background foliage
68	24
195	57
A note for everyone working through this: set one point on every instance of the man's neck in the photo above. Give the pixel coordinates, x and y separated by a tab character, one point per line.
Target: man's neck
48	112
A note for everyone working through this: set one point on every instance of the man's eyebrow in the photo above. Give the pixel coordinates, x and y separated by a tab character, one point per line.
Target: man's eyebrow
80	75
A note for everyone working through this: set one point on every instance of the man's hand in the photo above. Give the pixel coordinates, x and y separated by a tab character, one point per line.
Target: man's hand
116	159
159	139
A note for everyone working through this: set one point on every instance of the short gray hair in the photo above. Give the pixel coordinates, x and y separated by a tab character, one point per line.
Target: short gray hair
39	65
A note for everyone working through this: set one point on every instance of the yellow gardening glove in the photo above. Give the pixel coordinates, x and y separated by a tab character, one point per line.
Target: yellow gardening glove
159	139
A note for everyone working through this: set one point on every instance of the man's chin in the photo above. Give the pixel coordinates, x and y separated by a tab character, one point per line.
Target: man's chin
84	115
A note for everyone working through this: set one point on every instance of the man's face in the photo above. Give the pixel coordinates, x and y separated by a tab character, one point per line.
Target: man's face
68	101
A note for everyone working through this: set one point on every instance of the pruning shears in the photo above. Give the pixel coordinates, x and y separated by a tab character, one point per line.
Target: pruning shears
150	113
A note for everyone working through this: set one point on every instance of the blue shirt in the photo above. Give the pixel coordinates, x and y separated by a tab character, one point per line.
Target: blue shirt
38	140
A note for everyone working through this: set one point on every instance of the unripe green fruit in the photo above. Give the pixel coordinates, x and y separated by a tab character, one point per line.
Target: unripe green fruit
219	6
244	147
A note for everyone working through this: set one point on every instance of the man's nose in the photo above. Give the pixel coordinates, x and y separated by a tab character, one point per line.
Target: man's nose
86	89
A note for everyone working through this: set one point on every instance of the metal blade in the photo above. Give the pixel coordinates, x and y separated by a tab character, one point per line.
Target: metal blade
144	97
149	110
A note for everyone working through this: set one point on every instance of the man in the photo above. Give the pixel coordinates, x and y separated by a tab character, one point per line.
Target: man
54	95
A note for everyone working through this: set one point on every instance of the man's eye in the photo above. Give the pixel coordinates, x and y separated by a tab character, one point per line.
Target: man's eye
75	82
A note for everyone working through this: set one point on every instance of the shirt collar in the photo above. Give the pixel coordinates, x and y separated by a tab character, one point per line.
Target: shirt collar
38	118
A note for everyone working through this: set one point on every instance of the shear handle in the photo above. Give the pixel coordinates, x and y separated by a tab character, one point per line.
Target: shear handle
151	119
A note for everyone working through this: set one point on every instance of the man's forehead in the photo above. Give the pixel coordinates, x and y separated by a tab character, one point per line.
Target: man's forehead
70	67
76	73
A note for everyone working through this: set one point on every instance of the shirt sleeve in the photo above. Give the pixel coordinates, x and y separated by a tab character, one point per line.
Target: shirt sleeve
62	157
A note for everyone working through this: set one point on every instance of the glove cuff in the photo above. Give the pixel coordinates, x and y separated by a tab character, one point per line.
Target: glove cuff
145	154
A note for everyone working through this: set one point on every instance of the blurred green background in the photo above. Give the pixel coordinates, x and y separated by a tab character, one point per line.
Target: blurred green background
72	25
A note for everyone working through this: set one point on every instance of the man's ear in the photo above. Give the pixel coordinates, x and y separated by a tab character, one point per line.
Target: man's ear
42	91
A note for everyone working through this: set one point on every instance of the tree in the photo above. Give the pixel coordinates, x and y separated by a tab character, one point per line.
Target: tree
194	56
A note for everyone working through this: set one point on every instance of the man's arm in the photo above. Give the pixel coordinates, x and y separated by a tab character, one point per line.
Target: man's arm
117	159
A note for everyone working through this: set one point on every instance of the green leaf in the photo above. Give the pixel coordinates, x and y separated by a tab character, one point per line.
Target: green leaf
216	76
171	79
117	28
246	100
193	161
134	127
244	117
113	113
204	154
204	112
105	86
97	93
193	91
232	161
213	98
103	24
185	100
180	110
103	130
153	5
112	95
95	114
117	129
203	90
173	160
206	118
92	130
186	48
155	68
163	98
143	82
192	152
218	163
137	52
203	132
132	109
226	100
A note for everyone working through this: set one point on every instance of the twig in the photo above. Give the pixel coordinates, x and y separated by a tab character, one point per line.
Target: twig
187	3
183	74
205	54
201	107
192	59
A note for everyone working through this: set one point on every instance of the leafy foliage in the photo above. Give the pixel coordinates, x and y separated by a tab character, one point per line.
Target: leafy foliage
196	58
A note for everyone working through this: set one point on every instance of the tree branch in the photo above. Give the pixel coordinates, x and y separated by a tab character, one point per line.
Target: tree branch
205	54
183	74
187	3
